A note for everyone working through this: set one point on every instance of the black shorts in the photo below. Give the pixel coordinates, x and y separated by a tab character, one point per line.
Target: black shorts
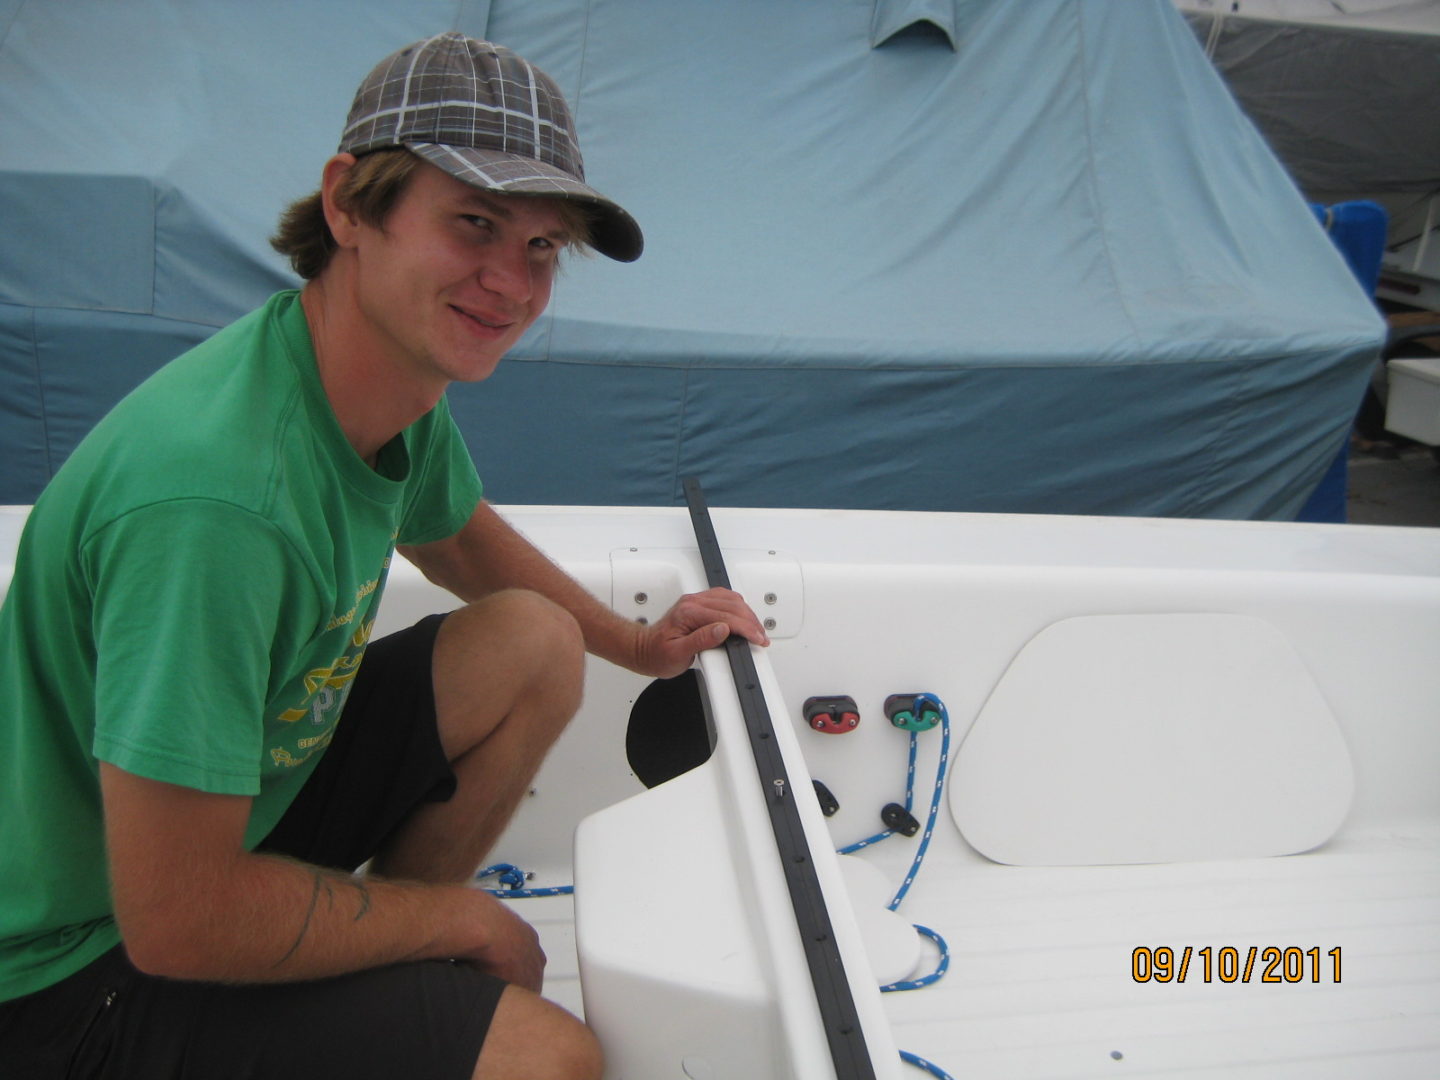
417	1020
385	760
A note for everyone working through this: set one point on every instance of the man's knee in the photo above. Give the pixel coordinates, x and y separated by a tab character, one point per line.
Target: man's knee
537	1039
514	650
540	626
553	623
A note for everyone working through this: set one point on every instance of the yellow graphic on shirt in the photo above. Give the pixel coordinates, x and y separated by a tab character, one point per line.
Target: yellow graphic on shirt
360	594
283	757
326	689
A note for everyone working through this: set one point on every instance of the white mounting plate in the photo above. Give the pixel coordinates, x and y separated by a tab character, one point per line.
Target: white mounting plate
645	582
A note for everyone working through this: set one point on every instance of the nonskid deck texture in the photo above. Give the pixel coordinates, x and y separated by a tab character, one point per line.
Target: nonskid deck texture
1042	979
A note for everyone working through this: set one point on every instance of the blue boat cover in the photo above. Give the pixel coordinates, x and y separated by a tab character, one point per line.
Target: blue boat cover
909	254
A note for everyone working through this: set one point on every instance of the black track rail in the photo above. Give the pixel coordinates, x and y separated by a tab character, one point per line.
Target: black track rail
827	970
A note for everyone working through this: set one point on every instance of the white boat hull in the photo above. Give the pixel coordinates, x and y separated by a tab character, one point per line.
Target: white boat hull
1324	962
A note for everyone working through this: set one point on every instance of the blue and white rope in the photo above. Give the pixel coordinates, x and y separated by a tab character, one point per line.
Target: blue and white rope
935	799
935	796
944	965
929	1066
513	878
909	801
934	976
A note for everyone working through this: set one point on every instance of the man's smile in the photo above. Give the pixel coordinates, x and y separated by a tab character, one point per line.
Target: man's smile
492	323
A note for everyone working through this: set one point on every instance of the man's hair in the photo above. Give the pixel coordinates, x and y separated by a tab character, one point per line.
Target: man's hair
370	190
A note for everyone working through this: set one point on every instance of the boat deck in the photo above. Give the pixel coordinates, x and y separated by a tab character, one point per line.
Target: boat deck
1041	981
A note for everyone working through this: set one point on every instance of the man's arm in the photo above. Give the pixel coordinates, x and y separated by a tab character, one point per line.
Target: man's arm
191	903
487	555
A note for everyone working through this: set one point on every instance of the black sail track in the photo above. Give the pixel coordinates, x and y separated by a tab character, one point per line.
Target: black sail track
827	969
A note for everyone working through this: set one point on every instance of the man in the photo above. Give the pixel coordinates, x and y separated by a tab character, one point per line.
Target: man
192	599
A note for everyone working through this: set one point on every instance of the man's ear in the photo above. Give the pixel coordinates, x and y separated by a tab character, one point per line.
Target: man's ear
342	222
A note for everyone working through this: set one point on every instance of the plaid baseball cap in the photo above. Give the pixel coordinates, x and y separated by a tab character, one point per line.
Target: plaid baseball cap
488	117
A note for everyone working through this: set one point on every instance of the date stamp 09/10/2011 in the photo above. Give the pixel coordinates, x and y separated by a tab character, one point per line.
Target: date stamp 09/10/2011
1231	964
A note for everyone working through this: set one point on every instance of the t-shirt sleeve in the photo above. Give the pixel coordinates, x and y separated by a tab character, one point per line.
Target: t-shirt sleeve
445	489
190	598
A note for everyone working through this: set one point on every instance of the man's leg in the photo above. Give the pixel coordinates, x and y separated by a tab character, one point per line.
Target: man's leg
508	673
533	1038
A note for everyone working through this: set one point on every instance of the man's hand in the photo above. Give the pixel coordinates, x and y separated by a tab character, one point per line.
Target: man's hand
698	621
509	947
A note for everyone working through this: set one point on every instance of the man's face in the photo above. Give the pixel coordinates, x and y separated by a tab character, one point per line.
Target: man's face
456	276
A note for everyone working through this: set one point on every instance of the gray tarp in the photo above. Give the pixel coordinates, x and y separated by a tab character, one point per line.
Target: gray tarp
1347	93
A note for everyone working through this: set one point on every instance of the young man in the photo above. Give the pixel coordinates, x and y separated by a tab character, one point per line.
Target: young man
193	596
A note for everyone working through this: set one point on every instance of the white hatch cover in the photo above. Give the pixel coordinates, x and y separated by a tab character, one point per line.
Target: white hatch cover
1152	738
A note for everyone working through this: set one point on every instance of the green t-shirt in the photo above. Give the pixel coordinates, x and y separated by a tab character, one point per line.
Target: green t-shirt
192	596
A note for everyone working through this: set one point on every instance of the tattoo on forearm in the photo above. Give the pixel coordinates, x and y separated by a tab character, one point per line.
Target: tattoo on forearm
325	883
320	883
360	887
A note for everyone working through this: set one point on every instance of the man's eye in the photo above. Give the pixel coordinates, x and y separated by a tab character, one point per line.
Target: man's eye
476	220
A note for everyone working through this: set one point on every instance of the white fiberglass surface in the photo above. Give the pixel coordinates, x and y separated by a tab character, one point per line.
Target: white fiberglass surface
1042	979
1062	971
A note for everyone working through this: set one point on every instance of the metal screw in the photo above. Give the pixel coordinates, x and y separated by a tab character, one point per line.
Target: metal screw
769	624
640	598
779	787
770	598
643	621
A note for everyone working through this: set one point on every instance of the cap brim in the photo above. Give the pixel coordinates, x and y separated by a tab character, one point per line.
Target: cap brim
613	232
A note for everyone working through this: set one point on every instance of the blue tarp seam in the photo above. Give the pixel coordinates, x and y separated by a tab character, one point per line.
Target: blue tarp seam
1225	433
680	420
40	393
809	365
96	309
578	97
10	23
1093	180
154	246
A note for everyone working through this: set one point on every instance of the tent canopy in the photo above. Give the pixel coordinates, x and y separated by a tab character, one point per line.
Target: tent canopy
920	254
